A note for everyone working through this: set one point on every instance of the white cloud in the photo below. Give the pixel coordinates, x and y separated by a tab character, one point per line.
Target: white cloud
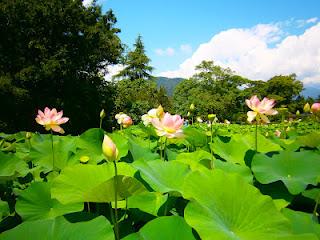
248	52
112	70
165	52
312	20
186	48
87	3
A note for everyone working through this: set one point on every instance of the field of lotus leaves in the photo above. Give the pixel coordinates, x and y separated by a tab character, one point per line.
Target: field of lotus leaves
222	181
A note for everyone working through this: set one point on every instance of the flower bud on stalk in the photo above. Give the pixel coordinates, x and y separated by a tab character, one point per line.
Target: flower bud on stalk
109	149
306	108
102	114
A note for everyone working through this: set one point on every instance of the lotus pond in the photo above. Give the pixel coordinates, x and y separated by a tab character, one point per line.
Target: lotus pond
211	184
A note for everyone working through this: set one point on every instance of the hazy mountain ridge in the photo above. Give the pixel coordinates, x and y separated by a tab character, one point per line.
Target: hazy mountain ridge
168	83
310	90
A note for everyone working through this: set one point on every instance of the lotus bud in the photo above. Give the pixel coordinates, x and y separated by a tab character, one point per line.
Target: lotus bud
84	159
160	111
102	114
28	135
211	117
298	113
109	149
199	119
315	108
188	114
306	108
192	107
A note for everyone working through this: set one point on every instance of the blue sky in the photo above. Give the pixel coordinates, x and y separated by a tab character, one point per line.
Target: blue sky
172	31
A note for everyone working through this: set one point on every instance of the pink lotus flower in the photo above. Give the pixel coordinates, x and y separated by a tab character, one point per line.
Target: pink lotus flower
260	109
123	119
51	119
315	108
168	126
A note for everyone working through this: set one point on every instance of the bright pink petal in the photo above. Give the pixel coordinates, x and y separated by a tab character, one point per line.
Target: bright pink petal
47	111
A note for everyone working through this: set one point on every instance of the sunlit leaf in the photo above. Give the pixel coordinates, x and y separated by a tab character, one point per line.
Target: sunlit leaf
169	228
86	183
60	229
295	169
35	203
226	207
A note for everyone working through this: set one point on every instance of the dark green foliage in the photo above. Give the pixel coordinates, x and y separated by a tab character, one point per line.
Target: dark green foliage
136	64
51	53
218	88
137	91
223	92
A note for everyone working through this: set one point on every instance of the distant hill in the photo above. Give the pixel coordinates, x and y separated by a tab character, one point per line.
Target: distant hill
311	90
168	83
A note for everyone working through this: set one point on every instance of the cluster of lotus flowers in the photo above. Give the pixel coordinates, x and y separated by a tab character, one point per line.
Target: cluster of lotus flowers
165	124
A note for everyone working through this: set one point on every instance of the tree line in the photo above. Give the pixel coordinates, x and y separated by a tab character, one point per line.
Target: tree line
55	53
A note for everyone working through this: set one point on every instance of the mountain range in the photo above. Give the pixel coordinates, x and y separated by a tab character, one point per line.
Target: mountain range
310	90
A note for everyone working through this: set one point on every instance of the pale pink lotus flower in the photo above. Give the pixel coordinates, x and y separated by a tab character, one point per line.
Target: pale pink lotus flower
153	113
260	109
315	108
109	149
51	119
124	120
168	126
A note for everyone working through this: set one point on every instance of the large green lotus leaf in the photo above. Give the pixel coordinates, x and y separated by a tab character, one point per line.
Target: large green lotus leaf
121	142
195	136
91	139
226	207
75	182
312	193
197	155
35	203
12	166
295	169
230	167
4	209
90	142
41	151
60	229
310	140
140	153
168	228
235	150
163	176
149	202
104	192
193	159
302	222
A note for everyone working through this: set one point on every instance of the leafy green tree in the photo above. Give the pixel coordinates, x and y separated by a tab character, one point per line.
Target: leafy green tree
218	88
284	88
51	54
136	64
136	88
